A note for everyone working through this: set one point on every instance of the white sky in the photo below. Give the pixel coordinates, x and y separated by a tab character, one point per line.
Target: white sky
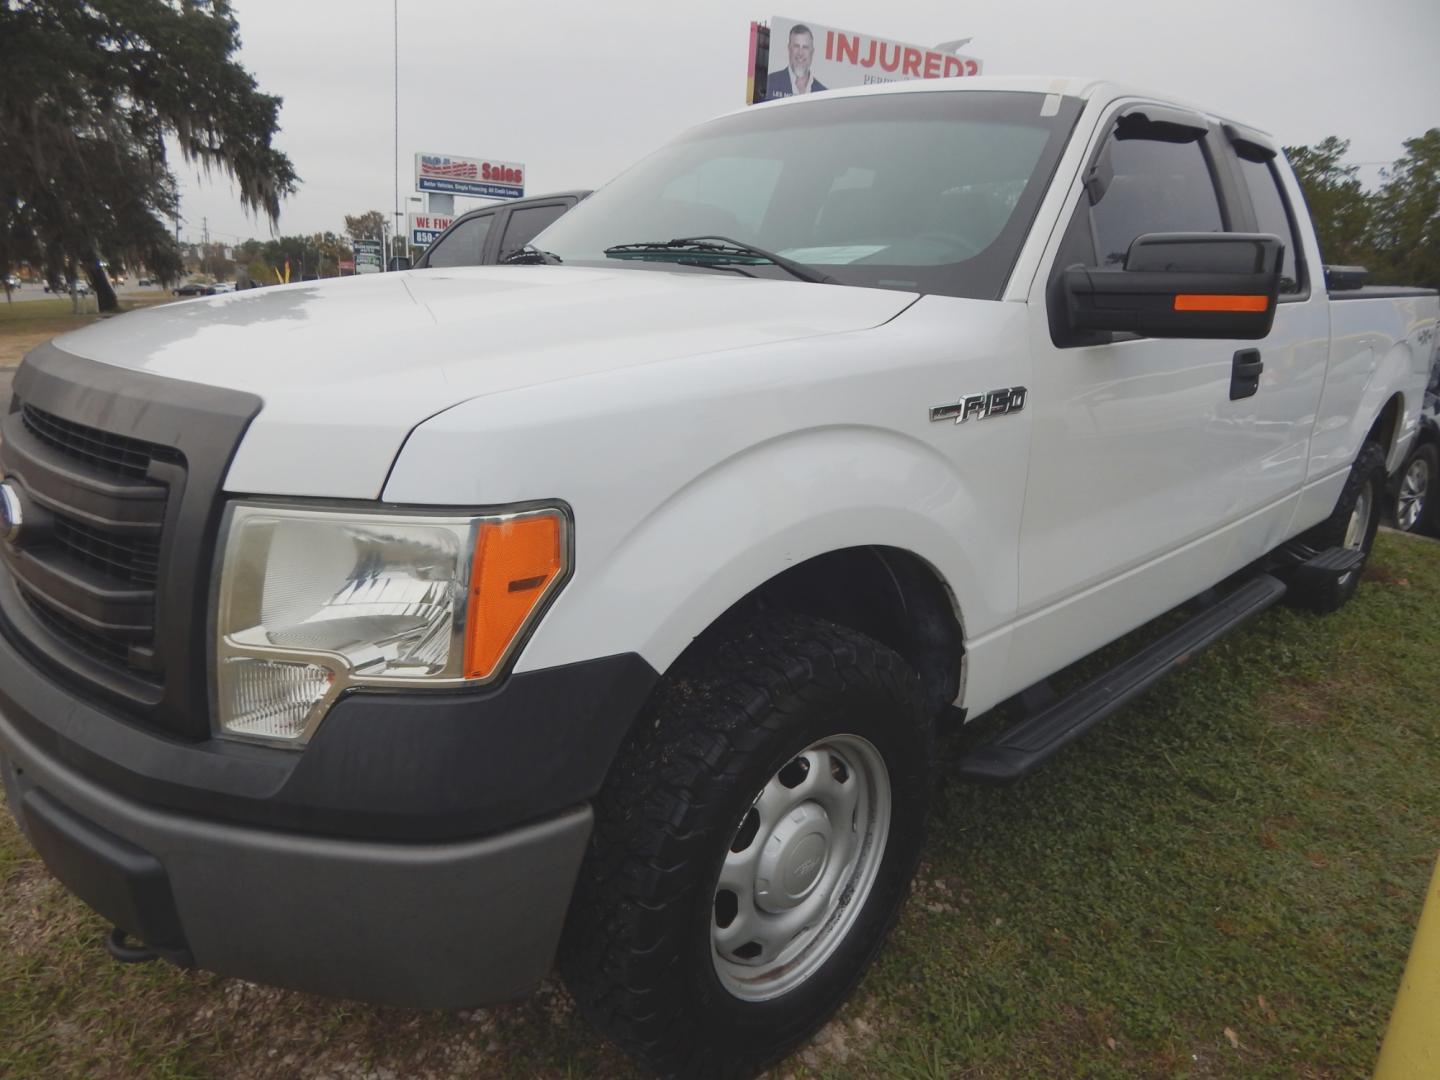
576	91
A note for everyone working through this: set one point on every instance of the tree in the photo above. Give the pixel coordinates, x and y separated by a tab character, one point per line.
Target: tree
1407	216
1339	205
367	226
92	92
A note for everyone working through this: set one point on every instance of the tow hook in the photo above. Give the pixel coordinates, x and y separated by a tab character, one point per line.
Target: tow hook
117	944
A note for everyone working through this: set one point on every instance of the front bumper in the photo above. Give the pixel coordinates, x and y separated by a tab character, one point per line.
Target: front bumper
438	925
421	851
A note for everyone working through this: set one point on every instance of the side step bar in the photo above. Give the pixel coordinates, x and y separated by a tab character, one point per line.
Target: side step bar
1033	740
1333	562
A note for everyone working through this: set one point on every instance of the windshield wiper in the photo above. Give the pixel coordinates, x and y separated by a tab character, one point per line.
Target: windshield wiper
531	254
720	247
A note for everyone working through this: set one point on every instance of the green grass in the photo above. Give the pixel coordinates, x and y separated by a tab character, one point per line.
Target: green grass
1244	849
60	307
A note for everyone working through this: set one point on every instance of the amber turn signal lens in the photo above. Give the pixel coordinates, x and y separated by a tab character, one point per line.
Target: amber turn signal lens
516	564
1207	302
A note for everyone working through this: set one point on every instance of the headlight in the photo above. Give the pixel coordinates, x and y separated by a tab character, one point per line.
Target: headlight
314	602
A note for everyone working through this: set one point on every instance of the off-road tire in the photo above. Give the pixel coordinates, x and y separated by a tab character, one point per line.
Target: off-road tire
1325	594
637	953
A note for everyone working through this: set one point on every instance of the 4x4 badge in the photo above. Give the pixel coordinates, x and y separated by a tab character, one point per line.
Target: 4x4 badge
982	406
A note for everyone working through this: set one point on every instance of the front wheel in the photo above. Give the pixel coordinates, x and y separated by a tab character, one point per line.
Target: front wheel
752	847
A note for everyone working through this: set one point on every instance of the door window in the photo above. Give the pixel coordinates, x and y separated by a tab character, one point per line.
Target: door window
464	245
1158	187
527	223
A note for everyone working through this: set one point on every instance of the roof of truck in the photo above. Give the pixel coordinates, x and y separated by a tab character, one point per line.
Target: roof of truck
1079	86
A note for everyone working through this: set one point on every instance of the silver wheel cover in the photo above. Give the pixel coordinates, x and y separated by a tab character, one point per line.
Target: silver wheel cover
1414	486
799	868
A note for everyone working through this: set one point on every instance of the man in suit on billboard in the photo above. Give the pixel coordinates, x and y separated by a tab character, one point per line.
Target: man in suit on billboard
796	78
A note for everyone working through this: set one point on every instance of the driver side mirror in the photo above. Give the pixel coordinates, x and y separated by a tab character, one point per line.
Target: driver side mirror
1181	285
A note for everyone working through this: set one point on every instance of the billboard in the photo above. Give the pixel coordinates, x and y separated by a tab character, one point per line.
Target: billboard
425	229
369	256
798	57
477	177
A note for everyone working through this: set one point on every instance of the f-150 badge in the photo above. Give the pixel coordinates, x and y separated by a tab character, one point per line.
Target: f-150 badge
982	406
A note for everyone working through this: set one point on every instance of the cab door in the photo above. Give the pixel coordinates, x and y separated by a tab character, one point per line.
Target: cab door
1141	490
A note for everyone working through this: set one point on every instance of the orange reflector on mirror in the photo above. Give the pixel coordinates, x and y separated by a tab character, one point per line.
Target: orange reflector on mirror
1209	302
516	563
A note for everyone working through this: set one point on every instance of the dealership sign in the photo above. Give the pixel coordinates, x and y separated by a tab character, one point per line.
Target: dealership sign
807	57
425	229
369	256
476	177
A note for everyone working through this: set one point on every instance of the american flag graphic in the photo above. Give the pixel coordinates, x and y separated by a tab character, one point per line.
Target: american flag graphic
451	170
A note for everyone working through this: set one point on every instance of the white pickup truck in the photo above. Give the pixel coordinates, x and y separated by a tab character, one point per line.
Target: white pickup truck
386	637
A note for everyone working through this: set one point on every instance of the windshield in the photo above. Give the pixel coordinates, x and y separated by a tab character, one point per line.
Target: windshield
929	192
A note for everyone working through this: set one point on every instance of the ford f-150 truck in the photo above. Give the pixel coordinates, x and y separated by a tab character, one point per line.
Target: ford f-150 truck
391	637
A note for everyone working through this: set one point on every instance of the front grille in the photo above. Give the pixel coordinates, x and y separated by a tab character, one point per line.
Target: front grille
88	566
134	560
106	586
118	455
106	650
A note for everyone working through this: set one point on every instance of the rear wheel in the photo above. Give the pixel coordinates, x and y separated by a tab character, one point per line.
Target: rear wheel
752	847
1353	525
1415	495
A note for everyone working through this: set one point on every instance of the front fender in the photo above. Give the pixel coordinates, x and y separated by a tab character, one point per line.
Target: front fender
753	516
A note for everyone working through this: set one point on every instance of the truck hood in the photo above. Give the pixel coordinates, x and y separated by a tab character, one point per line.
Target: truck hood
347	368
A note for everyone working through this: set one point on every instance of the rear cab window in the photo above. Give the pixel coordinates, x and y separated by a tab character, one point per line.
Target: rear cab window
1273	215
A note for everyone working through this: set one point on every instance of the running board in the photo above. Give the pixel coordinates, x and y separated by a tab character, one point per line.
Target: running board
1333	562
1033	740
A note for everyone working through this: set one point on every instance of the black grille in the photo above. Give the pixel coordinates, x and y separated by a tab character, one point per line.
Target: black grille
135	560
89	574
107	650
118	455
106	584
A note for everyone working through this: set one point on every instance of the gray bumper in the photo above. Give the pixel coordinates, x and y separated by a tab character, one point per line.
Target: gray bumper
438	925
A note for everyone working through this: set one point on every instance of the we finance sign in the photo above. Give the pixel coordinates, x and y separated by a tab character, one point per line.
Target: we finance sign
479	178
808	57
425	229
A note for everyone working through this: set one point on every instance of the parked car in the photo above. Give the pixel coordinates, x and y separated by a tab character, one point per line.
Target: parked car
1416	488
193	288
493	234
450	619
144	282
12	281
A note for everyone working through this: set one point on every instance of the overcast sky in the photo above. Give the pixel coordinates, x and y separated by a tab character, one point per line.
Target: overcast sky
576	91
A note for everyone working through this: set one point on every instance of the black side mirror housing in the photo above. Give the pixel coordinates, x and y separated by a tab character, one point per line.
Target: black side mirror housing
1181	285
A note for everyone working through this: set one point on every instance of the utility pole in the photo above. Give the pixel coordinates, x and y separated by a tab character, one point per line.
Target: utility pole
204	245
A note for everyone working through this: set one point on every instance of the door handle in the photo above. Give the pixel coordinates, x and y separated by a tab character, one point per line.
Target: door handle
1245	374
